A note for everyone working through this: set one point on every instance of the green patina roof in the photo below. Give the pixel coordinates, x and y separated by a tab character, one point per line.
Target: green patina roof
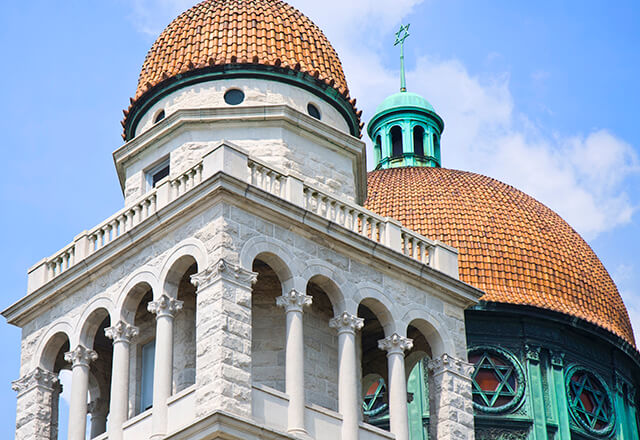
404	100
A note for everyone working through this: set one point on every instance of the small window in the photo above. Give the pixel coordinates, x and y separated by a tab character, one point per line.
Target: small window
157	173
146	380
396	141
159	117
313	111
234	97
418	141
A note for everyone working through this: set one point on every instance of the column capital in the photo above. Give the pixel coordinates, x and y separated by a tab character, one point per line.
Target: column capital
395	344
165	306
294	301
36	378
450	364
224	270
346	322
532	352
80	356
121	332
557	359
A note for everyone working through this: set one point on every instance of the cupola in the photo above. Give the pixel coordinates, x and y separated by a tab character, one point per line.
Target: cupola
405	129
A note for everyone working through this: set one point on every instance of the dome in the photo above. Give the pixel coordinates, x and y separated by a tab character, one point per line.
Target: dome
511	246
243	37
404	100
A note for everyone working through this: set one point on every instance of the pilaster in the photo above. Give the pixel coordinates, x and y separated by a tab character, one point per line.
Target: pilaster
450	399
536	391
223	335
559	393
37	415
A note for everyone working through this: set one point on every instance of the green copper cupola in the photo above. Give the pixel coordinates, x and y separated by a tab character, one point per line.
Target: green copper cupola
405	129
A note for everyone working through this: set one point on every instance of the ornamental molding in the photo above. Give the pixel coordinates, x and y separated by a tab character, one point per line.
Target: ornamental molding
532	352
346	322
294	301
449	364
80	356
557	359
121	332
224	270
395	344
625	388
36	378
165	306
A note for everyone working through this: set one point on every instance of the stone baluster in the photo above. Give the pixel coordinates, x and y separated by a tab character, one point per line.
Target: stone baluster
80	358
165	308
122	334
98	410
451	404
37	405
348	402
395	346
293	303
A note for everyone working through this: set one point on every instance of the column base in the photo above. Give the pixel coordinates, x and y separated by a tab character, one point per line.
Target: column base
300	433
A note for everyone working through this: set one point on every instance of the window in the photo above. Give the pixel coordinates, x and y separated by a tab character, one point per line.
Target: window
313	111
375	406
418	141
146	378
396	141
157	173
159	117
234	97
498	381
589	402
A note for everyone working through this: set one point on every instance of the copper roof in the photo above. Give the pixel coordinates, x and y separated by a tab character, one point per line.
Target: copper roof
242	32
511	246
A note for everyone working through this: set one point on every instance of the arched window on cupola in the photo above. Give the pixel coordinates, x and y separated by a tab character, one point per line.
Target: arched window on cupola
396	141
436	147
377	149
418	140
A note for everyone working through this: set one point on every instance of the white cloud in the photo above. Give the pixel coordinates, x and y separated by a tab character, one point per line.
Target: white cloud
152	16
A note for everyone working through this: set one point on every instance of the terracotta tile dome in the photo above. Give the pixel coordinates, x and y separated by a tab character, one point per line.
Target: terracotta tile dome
217	33
511	246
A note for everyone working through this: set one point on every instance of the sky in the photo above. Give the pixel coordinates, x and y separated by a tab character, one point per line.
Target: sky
541	95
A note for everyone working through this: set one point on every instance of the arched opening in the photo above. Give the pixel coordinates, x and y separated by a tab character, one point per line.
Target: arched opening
436	146
396	141
417	384
321	347
52	360
159	116
268	326
418	140
377	149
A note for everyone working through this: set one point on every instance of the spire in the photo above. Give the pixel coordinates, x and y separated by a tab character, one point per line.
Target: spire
402	35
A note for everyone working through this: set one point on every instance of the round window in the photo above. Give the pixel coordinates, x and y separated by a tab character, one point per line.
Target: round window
498	381
234	97
313	111
589	401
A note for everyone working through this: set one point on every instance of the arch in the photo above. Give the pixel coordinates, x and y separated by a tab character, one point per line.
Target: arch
377	149
436	334
412	359
374	299
396	141
132	292
418	140
279	258
332	282
180	258
94	314
50	345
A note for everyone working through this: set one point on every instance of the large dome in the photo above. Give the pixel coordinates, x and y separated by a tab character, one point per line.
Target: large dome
511	246
224	35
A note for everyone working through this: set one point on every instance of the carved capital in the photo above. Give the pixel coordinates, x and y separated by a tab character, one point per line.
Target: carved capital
294	301
450	364
36	378
223	270
121	332
346	322
532	352
557	359
80	356
395	344
165	306
98	407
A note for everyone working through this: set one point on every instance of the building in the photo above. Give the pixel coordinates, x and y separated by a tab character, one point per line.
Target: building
258	283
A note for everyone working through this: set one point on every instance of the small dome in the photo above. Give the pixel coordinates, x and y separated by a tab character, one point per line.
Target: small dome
511	246
243	37
404	100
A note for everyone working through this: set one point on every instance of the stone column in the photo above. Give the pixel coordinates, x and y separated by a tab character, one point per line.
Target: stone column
164	308
395	346
451	403
37	417
98	410
293	303
122	334
80	357
223	338
348	399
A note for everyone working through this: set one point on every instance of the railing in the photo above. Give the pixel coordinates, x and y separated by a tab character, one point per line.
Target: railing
234	162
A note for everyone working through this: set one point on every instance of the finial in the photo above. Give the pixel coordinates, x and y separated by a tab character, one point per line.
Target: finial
402	35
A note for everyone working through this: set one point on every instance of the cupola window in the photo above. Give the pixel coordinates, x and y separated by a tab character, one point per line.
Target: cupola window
234	97
396	141
157	173
589	402
418	141
498	382
159	117
313	111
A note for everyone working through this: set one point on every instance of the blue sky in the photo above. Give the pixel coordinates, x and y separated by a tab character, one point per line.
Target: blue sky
542	95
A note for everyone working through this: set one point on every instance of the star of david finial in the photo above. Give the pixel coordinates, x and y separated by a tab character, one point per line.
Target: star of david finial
402	35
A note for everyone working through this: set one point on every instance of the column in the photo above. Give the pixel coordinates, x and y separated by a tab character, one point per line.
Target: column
536	390
37	416
620	407
79	358
395	346
348	400
559	390
293	303
451	404
122	334
164	308
98	410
